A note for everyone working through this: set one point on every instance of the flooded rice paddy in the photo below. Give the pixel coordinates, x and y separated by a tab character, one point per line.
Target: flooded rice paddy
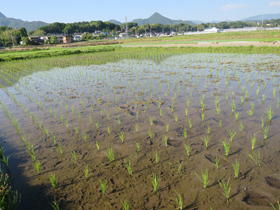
167	122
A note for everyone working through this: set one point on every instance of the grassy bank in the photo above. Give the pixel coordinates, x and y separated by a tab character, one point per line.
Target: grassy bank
52	52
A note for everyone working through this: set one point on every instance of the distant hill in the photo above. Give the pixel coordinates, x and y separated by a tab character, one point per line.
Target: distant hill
2	15
115	21
18	23
265	17
158	18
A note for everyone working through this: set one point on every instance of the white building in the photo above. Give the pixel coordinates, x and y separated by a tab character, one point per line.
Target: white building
77	37
212	30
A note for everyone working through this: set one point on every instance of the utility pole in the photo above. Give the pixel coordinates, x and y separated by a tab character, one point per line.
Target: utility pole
262	21
12	39
126	27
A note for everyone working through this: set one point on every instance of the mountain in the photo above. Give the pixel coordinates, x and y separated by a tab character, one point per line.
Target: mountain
265	17
18	23
115	21
158	18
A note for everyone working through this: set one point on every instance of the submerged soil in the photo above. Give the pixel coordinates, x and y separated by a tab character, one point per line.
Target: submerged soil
150	96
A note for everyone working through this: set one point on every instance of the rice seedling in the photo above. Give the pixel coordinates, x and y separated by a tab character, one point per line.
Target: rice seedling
156	182
55	205
66	123
165	141
226	187
60	149
250	112
205	139
137	146
179	200
220	123
166	127
263	96
186	111
109	130
231	134
97	145
37	166
262	121
177	170
202	116
47	132
274	207
156	157
103	186
226	146
125	205
97	125
204	179
254	140
76	129
86	172
236	168
85	136
185	133
136	127
128	167
265	132
53	180
122	136
188	148
54	139
217	161
233	106
256	158
190	123
150	133
237	115
241	127
269	114
110	154
151	121
79	114
73	153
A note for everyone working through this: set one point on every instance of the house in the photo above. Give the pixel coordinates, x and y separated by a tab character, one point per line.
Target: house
212	30
77	37
122	35
45	38
67	39
35	40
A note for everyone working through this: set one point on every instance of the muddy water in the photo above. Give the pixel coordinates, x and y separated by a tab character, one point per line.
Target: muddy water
135	91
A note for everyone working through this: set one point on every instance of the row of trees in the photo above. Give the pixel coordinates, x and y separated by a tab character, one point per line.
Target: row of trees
71	28
11	36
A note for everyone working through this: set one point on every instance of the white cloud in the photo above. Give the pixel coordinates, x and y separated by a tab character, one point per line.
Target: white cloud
233	6
274	3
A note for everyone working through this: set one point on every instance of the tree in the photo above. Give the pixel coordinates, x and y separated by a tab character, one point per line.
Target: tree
53	40
26	41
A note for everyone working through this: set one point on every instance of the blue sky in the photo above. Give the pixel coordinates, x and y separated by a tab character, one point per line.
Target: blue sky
87	10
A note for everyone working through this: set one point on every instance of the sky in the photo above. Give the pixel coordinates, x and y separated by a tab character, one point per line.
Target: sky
86	10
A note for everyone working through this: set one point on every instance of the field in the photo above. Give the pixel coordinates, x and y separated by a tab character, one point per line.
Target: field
148	128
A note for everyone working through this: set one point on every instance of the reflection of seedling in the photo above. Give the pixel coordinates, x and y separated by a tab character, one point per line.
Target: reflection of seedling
220	123
250	112
186	111
202	116
252	106
136	127
226	187
262	121
47	132
226	146
208	129
204	179
76	129
97	125
179	201
150	133
59	148
109	130
236	168
119	120
156	182
160	112
176	118
54	139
